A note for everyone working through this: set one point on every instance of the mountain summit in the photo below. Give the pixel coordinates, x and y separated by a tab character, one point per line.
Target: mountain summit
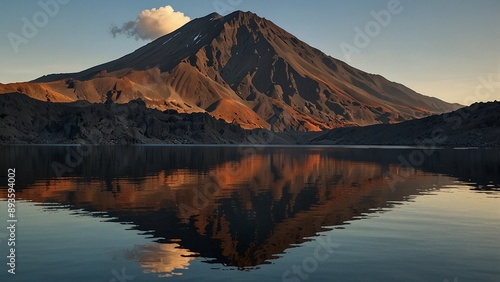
246	70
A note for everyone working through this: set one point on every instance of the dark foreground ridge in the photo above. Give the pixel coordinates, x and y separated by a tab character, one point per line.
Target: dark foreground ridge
24	120
475	126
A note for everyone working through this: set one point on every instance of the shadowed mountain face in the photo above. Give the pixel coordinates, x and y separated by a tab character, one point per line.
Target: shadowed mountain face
476	125
243	69
24	120
239	209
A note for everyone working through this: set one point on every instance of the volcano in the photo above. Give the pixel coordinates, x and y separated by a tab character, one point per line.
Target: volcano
245	70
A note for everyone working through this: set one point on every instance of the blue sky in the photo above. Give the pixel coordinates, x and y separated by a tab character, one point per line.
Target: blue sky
448	49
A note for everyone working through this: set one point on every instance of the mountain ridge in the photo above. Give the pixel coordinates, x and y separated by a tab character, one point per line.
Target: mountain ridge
25	120
243	69
477	125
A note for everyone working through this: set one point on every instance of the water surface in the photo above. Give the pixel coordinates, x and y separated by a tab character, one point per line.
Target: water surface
248	213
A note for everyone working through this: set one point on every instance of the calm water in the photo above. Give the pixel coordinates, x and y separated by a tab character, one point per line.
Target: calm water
247	214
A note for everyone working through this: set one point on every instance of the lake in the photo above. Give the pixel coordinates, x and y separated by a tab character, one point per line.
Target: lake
192	213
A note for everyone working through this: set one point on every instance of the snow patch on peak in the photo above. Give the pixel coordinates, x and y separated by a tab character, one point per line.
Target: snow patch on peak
171	38
197	37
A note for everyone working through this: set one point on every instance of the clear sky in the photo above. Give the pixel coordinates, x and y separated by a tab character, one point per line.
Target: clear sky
449	49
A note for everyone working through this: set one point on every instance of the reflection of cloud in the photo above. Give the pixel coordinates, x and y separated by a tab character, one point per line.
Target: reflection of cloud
163	259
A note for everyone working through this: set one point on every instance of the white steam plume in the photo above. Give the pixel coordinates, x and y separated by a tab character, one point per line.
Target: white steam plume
151	24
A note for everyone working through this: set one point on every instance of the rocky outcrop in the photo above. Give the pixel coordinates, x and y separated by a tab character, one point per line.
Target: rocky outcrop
24	120
475	126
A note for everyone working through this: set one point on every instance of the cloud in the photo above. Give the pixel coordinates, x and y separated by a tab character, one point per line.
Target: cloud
151	24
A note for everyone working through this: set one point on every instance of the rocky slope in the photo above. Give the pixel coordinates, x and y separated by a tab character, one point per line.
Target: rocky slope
24	120
244	69
474	126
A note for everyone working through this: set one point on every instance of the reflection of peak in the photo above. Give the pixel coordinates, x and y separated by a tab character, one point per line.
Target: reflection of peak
275	200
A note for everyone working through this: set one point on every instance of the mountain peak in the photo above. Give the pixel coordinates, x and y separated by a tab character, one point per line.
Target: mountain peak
214	16
246	70
241	16
240	13
233	15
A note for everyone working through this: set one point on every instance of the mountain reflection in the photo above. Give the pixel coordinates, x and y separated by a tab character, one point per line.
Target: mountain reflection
233	206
